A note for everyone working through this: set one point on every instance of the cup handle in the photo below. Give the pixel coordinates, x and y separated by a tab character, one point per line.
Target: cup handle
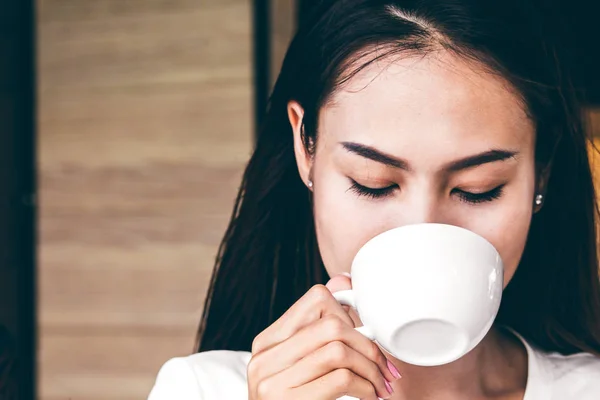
346	298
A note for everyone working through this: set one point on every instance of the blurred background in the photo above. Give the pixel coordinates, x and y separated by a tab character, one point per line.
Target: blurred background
144	126
125	127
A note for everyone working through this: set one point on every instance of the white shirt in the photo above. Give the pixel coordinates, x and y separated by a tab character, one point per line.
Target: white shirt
218	375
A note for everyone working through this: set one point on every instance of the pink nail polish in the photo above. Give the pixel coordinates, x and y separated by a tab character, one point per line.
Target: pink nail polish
389	387
393	370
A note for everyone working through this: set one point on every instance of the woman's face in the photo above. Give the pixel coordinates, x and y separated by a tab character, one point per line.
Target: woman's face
420	140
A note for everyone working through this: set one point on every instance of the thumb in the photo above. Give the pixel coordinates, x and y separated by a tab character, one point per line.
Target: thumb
339	282
343	282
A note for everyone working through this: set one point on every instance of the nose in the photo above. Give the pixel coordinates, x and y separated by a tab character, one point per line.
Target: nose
419	212
419	206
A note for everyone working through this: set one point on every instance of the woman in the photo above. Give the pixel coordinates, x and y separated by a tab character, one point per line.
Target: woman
388	113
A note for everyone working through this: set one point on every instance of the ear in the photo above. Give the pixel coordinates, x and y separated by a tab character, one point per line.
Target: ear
303	158
542	185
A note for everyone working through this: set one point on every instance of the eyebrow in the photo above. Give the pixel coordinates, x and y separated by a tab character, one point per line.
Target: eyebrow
375	155
458	165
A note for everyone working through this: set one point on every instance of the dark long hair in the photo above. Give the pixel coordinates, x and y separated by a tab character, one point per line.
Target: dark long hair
269	256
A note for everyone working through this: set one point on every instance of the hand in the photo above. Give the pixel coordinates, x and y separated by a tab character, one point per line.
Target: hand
313	352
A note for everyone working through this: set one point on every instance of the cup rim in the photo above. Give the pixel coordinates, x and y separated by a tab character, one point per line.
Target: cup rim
426	225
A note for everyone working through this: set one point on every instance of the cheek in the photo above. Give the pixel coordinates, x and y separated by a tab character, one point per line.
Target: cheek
341	225
509	237
507	225
336	233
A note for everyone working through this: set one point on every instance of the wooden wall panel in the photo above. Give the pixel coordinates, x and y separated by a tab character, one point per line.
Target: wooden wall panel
144	128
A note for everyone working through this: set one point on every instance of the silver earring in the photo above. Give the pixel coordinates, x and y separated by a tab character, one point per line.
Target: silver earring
539	199
309	184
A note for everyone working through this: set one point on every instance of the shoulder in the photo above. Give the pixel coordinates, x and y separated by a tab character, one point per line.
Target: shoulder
575	376
203	376
558	377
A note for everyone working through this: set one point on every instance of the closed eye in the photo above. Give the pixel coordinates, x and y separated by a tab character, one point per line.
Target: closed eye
369	192
477	198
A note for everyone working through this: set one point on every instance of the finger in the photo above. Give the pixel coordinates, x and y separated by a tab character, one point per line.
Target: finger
338	283
332	356
338	383
315	304
311	338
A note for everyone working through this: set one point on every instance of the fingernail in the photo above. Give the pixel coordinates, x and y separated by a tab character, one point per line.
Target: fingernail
346	274
389	387
393	370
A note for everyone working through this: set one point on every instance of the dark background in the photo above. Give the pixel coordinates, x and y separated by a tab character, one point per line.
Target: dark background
582	17
17	185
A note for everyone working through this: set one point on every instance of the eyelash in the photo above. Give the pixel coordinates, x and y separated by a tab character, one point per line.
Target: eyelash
467	197
372	193
477	198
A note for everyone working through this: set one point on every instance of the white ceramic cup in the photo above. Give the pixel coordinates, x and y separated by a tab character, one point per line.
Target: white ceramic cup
427	293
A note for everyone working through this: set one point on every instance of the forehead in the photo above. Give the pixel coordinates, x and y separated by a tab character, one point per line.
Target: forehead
439	101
